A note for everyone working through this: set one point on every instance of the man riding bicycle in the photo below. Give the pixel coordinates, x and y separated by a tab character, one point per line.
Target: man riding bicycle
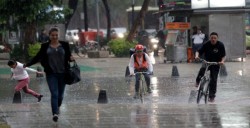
214	51
140	62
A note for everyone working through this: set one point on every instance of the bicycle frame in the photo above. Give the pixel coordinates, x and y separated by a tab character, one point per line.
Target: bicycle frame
203	88
142	91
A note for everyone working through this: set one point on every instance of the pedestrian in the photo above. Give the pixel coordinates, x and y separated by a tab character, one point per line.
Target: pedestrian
43	37
140	62
197	40
20	74
213	51
54	56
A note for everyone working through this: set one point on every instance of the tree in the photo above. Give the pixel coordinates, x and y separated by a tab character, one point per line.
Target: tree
26	15
138	21
108	18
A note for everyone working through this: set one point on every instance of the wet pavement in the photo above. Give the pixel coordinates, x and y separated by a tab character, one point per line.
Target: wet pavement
172	103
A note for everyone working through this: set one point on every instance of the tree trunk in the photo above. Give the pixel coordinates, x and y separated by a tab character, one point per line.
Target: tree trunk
85	10
72	5
138	20
108	18
29	37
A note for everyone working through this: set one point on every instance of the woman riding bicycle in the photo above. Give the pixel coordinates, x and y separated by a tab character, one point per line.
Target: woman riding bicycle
140	62
214	51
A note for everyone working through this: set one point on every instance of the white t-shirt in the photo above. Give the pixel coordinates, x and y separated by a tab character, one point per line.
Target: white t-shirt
198	38
20	73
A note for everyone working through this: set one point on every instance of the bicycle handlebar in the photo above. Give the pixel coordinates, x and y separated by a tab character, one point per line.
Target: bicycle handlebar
207	62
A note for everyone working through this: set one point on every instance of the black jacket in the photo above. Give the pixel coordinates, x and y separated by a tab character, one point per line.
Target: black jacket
42	57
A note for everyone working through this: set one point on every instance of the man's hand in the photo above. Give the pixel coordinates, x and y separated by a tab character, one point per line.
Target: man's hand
38	72
197	58
131	74
221	63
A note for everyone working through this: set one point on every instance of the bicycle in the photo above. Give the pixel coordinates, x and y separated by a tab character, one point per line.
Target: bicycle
203	87
142	88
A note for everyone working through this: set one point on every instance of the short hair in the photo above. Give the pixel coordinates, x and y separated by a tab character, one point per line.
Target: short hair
53	30
214	33
11	62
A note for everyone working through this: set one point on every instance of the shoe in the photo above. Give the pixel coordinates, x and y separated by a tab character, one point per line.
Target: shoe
211	100
55	117
136	96
149	90
39	98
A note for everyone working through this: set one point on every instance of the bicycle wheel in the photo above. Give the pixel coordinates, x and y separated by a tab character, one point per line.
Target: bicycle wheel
141	90
200	91
206	91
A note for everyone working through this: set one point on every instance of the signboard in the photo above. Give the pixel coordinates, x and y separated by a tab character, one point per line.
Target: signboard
197	4
227	3
178	25
178	4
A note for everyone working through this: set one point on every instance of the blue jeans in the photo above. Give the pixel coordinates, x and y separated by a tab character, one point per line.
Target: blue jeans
56	87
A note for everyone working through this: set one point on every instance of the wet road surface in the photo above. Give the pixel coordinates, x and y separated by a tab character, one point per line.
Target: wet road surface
172	103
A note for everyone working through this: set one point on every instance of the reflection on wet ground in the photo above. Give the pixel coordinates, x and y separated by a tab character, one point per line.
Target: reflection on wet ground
172	103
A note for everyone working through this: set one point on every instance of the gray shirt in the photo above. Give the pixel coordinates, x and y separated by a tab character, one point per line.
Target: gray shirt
56	59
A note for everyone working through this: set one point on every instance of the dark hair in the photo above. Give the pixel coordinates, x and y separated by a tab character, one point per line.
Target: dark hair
11	62
53	30
214	33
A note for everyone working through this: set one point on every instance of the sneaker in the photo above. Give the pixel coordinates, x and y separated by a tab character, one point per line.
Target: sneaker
149	90
136	96
55	117
39	98
211	100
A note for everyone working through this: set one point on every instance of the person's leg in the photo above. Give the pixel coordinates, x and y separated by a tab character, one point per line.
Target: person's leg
200	74
26	89
21	84
147	79
214	71
61	89
53	87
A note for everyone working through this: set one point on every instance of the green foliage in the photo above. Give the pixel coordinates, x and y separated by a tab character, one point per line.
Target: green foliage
33	49
120	47
17	53
29	11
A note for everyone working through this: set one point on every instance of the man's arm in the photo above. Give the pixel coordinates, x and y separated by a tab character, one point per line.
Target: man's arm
150	65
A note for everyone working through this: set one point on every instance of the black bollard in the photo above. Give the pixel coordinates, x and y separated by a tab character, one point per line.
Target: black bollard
40	70
17	99
175	72
102	98
223	70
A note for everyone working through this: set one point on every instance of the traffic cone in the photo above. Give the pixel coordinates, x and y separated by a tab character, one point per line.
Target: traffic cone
102	98
175	72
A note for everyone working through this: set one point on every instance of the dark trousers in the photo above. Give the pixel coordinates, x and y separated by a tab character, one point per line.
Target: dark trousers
137	78
214	71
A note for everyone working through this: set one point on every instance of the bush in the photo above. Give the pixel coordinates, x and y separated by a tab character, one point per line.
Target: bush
120	47
33	49
248	42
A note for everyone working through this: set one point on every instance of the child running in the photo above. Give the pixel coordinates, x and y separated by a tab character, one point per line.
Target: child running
20	74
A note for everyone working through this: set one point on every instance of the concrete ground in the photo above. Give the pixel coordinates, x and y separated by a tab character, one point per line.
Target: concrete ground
172	103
